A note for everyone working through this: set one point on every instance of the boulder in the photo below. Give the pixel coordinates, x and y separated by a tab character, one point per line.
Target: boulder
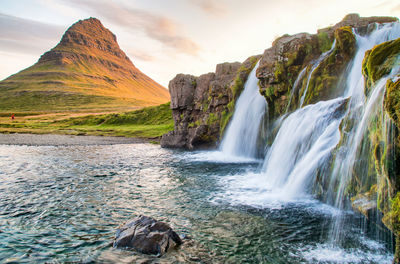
146	235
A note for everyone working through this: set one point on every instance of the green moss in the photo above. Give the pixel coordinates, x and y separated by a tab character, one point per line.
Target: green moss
392	218
392	101
212	119
324	42
379	61
237	87
279	72
326	77
225	118
345	40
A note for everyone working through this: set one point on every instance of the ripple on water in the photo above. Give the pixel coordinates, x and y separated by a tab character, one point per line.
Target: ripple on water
64	203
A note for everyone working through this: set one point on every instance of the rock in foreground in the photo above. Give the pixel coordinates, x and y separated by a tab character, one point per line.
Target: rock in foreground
146	235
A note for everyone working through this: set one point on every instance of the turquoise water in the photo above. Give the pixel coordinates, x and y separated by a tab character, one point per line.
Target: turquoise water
63	204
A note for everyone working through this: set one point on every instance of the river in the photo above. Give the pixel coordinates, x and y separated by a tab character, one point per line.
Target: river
64	203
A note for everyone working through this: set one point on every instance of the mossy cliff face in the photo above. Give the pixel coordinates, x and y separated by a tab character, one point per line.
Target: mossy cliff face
202	106
280	65
379	61
289	55
383	134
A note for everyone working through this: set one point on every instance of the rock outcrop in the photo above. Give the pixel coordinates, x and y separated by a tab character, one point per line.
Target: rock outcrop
202	106
146	235
87	64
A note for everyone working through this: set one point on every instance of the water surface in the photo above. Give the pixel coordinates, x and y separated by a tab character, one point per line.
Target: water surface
63	204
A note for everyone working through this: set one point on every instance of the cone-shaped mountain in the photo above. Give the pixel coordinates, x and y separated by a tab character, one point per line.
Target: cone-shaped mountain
86	70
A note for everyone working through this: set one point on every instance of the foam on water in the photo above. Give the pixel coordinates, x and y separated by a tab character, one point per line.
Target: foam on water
325	253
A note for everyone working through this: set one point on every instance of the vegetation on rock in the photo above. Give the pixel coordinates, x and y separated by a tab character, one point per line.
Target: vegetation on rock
379	61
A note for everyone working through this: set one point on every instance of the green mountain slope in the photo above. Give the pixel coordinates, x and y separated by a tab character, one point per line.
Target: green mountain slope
86	71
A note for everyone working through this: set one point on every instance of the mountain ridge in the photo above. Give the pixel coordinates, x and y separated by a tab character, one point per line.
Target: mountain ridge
87	63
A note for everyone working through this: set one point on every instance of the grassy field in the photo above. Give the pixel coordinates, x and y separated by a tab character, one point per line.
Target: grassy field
149	123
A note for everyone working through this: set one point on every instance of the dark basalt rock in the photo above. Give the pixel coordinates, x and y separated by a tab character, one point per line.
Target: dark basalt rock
146	235
200	103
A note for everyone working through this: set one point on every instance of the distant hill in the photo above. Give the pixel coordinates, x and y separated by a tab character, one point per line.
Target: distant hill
86	70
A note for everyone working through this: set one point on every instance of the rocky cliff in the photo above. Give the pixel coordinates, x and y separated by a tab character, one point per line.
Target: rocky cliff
281	65
202	106
86	69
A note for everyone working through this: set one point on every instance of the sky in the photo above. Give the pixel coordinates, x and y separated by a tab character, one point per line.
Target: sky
166	37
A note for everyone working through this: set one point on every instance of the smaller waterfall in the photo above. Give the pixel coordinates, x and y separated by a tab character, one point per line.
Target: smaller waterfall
242	134
314	67
295	85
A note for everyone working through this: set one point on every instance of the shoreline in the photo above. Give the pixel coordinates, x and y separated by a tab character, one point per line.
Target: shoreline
65	140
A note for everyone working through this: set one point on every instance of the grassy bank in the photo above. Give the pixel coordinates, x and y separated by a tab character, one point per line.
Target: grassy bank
149	122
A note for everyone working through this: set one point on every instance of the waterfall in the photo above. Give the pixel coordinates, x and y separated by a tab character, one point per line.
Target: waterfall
295	85
243	131
308	136
314	67
305	139
359	112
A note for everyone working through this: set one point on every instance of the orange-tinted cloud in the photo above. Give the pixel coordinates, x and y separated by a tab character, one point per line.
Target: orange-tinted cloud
210	6
155	26
140	55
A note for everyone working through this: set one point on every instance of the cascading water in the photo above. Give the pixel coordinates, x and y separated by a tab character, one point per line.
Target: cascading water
314	67
360	111
307	136
304	141
243	131
295	85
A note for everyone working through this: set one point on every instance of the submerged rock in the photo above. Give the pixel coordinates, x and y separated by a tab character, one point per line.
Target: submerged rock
146	235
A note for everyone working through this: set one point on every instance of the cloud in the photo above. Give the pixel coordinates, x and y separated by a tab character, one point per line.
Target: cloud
155	26
396	9
26	36
140	55
210	6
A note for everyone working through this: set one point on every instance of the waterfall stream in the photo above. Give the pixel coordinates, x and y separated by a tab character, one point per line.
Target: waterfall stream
313	68
243	131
